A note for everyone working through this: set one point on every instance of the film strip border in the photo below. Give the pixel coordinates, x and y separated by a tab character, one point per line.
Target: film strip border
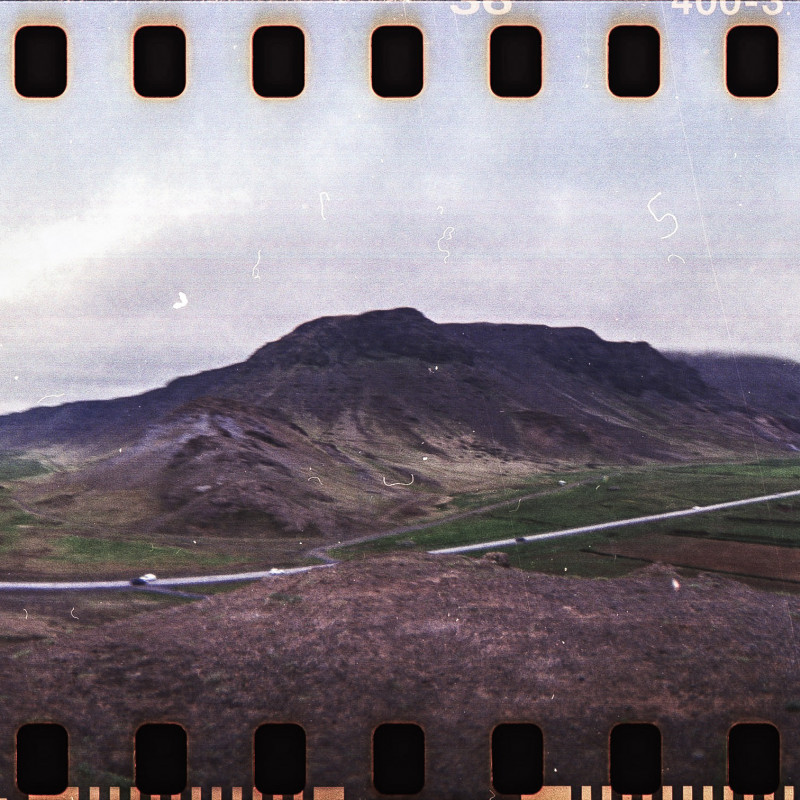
338	793
399	765
397	61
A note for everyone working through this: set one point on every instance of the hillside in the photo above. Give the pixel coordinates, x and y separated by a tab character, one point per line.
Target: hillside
454	644
335	365
384	416
760	384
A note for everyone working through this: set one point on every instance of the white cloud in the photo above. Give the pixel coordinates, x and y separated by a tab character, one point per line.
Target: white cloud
132	211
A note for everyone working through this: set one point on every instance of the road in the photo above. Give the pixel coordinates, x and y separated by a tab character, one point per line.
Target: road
318	552
199	580
622	523
323	552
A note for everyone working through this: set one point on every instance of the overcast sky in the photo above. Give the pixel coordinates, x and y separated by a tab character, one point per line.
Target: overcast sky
110	205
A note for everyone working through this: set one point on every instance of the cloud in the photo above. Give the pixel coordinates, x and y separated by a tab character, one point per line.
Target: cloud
130	212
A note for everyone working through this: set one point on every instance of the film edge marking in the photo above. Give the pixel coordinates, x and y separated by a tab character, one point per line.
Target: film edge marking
317	793
337	793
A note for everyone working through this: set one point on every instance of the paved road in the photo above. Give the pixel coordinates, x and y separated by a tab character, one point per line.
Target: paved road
269	573
323	552
318	552
17	586
622	523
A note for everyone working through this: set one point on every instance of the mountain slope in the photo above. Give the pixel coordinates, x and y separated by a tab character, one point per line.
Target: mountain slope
760	384
330	427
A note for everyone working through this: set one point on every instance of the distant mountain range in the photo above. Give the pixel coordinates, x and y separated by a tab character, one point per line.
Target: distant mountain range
309	433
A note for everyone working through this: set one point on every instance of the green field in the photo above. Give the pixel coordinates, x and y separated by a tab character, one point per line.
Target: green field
13	467
619	495
27	538
535	483
12	520
85	550
93	543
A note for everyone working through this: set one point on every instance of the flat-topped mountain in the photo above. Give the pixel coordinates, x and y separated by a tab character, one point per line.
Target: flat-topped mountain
335	350
320	430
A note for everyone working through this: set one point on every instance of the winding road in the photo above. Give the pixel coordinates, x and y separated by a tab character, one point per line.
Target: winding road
322	552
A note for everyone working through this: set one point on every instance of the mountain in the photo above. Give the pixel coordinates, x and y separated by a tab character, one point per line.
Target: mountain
759	384
327	428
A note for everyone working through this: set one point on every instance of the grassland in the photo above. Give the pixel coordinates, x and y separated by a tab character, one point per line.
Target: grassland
13	519
619	495
14	467
535	483
86	545
35	545
86	550
104	534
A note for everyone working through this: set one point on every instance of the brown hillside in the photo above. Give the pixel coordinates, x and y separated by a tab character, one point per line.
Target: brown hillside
456	645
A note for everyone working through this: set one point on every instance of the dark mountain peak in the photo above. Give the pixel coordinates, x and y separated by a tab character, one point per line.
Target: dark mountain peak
631	367
372	336
408	318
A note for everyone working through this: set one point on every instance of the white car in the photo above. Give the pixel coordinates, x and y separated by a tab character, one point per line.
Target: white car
143	580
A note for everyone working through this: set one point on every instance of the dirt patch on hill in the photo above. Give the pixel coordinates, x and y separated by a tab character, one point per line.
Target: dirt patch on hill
454	644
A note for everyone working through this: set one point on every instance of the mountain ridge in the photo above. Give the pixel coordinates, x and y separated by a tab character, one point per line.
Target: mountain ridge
326	341
316	431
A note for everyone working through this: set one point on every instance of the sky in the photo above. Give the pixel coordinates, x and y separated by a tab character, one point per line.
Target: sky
267	213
